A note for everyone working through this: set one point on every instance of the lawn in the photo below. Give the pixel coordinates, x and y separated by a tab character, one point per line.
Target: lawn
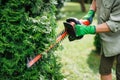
78	58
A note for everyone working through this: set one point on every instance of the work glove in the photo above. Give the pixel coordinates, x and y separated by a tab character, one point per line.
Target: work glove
80	30
89	16
70	31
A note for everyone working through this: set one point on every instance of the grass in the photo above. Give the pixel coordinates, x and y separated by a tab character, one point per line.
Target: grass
78	58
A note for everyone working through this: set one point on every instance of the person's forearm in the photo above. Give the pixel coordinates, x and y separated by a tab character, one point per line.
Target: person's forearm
93	5
102	28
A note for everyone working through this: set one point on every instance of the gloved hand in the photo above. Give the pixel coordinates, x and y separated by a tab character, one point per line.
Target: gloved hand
79	30
70	31
89	16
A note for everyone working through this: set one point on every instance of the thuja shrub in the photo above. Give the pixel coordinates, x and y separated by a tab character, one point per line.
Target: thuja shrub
97	43
59	5
27	27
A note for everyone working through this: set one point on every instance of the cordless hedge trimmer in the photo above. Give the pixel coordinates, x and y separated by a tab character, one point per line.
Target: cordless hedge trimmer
60	37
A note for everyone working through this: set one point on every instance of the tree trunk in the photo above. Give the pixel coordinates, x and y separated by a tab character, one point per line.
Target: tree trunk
83	8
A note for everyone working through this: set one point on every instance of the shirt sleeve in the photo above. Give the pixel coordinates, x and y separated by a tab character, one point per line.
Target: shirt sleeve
114	20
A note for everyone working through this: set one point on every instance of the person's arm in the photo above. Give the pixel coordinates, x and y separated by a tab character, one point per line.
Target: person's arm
93	5
102	28
81	30
89	16
99	28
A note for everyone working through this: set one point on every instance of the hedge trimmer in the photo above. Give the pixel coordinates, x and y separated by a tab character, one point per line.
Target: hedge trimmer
60	37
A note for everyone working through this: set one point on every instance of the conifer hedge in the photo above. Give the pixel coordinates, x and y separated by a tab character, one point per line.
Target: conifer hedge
97	43
27	27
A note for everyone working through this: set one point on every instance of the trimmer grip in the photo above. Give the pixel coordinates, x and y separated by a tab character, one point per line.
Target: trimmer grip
70	30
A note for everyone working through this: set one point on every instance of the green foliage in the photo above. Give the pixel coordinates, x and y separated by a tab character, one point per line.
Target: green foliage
97	43
59	5
27	27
